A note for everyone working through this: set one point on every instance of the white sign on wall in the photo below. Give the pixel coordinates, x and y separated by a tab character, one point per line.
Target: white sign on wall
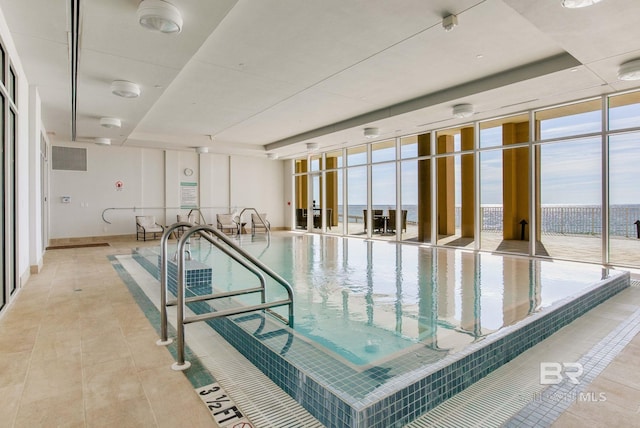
188	195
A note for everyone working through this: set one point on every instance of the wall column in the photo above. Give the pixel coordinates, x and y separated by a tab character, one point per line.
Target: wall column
446	187
301	184
424	189
467	183
515	181
332	190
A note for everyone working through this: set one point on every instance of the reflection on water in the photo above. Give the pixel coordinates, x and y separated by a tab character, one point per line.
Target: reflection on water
367	300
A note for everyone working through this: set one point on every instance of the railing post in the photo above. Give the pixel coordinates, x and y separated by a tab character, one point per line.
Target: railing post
181	364
164	340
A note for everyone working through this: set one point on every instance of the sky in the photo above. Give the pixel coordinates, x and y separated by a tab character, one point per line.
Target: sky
570	169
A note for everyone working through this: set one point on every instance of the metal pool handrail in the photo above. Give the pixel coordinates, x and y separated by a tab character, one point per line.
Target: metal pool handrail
238	254
267	228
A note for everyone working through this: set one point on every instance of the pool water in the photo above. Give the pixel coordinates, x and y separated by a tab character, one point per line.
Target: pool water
367	300
385	331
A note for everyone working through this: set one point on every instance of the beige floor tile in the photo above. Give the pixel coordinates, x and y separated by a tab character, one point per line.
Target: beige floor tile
52	410
52	378
169	390
13	368
123	414
9	403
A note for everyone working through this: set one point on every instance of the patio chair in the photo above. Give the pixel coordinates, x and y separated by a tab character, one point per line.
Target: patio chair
227	222
257	223
317	219
378	220
301	218
391	224
146	224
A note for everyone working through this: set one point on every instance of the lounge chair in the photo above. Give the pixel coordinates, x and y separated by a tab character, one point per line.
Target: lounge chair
258	223
146	224
188	218
227	222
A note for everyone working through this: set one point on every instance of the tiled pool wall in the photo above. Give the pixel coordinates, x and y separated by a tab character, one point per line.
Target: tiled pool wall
403	400
423	389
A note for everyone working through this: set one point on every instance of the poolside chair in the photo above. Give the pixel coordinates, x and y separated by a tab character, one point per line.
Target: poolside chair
227	222
146	224
188	218
391	224
258	223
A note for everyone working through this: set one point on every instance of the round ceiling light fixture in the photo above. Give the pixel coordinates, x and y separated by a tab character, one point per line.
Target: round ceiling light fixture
371	132
125	89
110	122
272	156
102	141
630	70
312	147
576	4
201	150
158	15
462	111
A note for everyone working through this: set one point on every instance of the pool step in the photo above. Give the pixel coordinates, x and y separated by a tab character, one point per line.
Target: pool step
264	336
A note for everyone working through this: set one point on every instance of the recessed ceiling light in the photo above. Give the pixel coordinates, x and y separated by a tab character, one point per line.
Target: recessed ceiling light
272	156
312	147
158	15
630	70
462	110
110	122
102	141
576	4
125	89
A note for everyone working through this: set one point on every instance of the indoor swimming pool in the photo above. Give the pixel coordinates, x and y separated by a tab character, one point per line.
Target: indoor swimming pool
383	331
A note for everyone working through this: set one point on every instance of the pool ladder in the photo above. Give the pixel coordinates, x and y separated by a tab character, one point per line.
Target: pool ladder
224	244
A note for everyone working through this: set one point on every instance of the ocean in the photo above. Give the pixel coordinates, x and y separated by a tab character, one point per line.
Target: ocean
556	219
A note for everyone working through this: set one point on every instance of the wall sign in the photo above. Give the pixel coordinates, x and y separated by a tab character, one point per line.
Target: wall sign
188	195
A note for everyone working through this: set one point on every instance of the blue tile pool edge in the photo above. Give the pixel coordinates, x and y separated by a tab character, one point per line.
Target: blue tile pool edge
404	398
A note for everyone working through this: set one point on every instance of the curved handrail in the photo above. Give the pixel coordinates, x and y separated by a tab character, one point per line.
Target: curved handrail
266	225
164	340
238	254
150	208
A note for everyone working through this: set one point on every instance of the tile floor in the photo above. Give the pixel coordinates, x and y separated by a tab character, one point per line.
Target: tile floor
76	350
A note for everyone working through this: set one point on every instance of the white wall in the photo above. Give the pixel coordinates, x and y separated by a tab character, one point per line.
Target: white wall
258	183
152	180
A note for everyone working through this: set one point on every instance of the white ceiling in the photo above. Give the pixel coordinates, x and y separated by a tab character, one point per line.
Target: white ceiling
252	76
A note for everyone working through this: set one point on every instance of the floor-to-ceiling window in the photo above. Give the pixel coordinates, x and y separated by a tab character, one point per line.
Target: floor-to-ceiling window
504	184
333	201
624	192
383	188
569	186
415	179
555	182
455	186
356	190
